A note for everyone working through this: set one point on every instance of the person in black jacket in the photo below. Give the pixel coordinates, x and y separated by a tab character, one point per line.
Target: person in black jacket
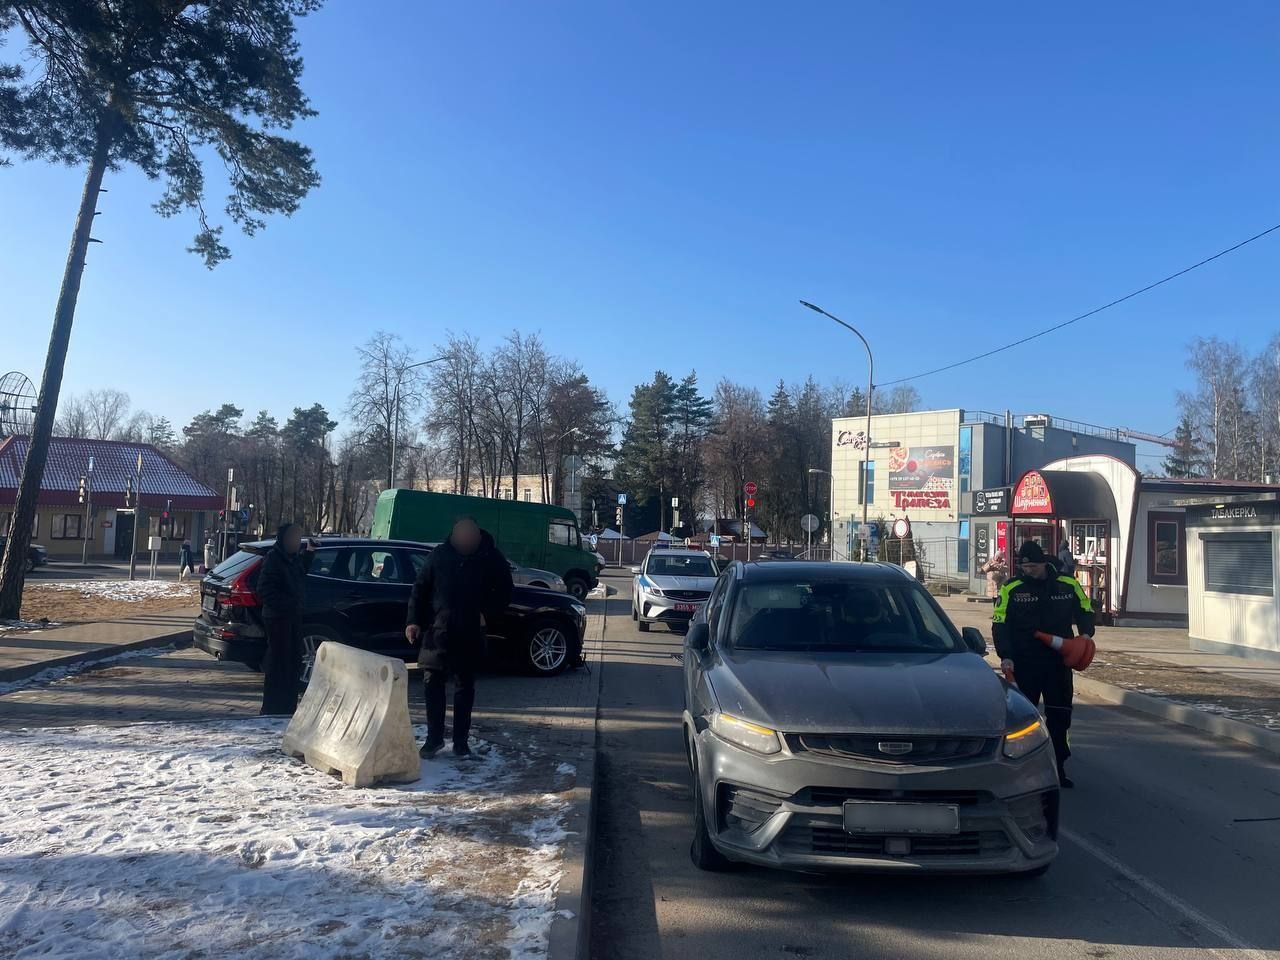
465	581
281	587
1040	599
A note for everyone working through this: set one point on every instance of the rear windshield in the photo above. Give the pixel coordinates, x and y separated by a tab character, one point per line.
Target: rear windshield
838	615
673	566
235	564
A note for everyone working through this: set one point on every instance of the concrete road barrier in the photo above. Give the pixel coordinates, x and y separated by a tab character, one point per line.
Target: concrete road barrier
354	718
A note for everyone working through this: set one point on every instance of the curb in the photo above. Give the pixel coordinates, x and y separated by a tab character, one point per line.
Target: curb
1187	716
570	935
10	674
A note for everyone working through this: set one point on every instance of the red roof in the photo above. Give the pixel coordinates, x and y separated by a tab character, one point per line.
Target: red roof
113	463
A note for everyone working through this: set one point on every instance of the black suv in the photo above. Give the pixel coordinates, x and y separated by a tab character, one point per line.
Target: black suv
358	593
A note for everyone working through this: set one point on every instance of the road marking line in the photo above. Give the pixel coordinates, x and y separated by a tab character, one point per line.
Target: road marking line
1169	899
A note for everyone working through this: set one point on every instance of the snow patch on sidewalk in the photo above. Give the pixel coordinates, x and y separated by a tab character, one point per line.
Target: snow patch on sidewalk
128	591
175	840
54	674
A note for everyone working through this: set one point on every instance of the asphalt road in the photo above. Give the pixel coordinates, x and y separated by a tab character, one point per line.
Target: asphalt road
1170	848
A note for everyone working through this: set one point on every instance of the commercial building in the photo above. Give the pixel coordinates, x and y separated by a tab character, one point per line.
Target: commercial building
1232	563
925	466
63	523
1127	533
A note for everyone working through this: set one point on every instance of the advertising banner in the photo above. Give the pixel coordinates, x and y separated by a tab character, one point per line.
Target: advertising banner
922	477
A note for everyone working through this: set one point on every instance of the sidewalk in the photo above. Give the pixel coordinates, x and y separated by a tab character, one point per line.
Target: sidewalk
24	653
1154	670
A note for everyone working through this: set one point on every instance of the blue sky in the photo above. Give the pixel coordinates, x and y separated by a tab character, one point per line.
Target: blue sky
657	184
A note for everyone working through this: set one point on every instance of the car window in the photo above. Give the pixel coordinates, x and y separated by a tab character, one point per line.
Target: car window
419	560
371	565
836	615
323	562
674	565
563	533
715	602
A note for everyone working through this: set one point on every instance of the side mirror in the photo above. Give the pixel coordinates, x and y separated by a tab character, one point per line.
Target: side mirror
974	640
635	570
698	638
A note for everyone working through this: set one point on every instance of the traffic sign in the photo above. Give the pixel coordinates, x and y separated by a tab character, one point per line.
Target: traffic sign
749	488
809	523
622	499
902	528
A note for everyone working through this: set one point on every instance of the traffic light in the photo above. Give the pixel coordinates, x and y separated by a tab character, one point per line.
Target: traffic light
751	503
82	488
128	491
168	505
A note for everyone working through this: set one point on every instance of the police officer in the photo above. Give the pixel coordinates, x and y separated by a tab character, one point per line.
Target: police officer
1040	600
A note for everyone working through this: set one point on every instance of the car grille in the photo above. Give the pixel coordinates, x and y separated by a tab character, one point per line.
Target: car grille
745	808
867	747
834	841
836	796
693	595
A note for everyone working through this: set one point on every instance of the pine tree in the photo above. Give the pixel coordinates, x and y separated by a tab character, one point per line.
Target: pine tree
1182	461
645	455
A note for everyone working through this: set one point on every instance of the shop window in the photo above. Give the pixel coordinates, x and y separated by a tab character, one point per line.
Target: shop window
1239	563
65	526
1166	548
867	482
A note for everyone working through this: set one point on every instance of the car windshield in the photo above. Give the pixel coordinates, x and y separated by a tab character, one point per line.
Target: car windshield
693	565
838	615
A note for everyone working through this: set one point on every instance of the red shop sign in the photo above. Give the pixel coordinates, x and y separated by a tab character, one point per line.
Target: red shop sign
1032	495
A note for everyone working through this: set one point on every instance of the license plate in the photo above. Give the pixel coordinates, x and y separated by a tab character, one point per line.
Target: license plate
209	603
686	608
863	816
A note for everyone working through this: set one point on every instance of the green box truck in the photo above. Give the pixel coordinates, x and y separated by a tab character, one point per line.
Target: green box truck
538	535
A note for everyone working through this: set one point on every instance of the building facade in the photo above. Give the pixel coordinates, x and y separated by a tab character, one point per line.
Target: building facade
104	526
925	466
528	487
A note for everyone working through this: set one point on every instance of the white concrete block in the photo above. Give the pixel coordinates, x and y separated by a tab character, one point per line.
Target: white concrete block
354	718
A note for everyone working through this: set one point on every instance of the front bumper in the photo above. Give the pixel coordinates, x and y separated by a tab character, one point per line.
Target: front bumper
655	609
787	811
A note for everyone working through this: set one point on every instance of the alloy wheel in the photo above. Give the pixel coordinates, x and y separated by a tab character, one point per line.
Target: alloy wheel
548	648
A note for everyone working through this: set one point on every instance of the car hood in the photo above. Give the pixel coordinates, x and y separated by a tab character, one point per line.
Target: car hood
682	583
955	694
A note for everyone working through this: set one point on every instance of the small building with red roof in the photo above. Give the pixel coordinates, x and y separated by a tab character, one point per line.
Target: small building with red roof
63	522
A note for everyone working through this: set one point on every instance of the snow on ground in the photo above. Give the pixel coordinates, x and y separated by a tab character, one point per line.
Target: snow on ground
24	626
177	840
125	590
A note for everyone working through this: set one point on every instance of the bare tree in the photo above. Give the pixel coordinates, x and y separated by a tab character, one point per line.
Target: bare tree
1264	386
108	411
454	389
388	393
73	418
1215	405
904	398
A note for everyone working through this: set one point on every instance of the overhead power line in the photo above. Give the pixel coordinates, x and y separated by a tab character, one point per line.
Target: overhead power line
1083	316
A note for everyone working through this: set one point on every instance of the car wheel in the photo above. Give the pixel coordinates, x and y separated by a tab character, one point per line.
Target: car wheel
578	587
643	626
701	851
31	566
312	636
548	648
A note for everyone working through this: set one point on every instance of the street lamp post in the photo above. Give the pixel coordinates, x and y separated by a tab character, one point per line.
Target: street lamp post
395	415
866	450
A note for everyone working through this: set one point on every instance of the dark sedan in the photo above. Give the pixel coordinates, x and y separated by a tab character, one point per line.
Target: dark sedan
37	556
358	593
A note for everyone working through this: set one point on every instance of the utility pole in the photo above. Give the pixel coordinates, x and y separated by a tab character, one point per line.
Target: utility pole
86	495
137	522
226	514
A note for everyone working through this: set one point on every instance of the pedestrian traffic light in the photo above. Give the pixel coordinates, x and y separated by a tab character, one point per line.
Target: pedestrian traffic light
751	502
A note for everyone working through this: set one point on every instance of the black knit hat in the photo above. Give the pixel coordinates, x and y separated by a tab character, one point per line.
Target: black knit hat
1030	552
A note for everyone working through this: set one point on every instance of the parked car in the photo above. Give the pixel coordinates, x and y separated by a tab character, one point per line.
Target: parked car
601	563
358	593
541	535
835	718
37	555
671	586
533	577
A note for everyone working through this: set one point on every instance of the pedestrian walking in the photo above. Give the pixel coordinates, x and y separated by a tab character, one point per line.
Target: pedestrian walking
186	560
1066	559
1032	619
281	588
465	582
210	554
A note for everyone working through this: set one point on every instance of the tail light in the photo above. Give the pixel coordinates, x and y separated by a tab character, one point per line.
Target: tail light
241	591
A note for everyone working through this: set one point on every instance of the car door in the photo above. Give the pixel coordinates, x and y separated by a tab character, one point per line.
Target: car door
695	694
374	597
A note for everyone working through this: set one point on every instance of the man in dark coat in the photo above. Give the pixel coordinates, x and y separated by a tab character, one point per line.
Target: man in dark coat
281	587
1041	600
464	583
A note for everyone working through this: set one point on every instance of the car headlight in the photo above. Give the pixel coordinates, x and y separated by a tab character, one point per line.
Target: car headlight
650	588
752	736
580	609
1025	740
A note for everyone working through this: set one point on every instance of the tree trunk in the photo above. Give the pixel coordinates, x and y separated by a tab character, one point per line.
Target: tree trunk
13	571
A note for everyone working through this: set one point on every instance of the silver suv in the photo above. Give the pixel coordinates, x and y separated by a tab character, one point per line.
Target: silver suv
835	718
671	586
